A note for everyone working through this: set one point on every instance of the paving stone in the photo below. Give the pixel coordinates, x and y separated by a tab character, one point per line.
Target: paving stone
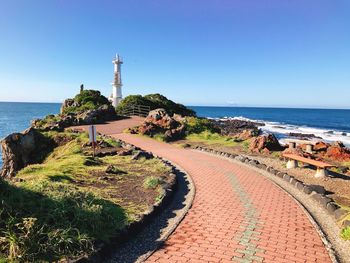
231	203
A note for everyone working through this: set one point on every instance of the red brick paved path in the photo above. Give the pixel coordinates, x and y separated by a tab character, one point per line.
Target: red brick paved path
237	214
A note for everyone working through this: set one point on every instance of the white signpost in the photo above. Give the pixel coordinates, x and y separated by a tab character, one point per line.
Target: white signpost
93	137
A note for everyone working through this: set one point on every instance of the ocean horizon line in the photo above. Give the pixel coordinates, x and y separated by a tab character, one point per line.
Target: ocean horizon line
220	106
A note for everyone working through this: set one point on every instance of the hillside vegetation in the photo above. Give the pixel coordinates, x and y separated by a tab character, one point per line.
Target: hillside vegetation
72	202
87	107
154	101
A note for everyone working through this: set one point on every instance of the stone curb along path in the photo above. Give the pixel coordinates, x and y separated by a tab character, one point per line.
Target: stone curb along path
326	202
323	211
237	215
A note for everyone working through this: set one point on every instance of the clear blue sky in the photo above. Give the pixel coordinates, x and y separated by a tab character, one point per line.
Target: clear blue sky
219	52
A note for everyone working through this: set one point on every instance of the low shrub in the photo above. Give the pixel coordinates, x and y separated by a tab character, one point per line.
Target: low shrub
152	182
86	100
345	233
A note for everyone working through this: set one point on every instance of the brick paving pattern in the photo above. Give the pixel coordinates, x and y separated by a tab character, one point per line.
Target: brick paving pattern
237	214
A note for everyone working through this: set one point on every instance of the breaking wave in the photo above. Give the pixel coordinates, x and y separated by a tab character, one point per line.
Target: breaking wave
283	131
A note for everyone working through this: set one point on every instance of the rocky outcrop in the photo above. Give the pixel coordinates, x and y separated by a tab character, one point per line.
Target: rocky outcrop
234	128
68	103
303	136
265	144
103	113
338	152
247	134
62	121
22	149
321	147
159	122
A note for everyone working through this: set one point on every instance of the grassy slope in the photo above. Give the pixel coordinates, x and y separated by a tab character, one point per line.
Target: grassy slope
60	208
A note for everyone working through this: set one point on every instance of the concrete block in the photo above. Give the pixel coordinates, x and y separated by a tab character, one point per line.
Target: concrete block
317	188
307	190
324	201
331	207
280	174
273	171
286	177
293	181
300	186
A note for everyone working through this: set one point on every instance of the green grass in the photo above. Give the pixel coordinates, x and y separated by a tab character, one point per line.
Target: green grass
159	137
345	233
196	125
152	182
48	215
112	142
212	138
245	145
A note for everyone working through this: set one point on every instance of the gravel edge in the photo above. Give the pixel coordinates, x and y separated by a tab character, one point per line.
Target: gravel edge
188	204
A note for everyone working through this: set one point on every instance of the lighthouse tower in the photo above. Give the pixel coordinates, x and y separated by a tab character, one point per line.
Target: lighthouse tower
117	83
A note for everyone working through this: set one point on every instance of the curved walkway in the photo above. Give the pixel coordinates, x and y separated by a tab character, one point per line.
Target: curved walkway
237	215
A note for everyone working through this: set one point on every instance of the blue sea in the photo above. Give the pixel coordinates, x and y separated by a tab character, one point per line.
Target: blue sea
17	116
331	125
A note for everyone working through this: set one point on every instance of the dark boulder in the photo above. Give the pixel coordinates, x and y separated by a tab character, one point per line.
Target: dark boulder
22	149
142	154
233	127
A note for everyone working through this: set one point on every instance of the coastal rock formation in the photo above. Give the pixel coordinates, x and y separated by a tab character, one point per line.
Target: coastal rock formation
338	152
159	122
21	149
233	127
265	144
103	113
68	103
88	107
321	146
247	134
303	136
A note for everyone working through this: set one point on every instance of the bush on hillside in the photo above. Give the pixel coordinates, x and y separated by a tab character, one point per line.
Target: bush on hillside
85	100
154	101
88	107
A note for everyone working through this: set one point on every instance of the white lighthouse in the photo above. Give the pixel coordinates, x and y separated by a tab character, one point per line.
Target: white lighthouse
117	83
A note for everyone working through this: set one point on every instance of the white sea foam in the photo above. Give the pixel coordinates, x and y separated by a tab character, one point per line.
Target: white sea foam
283	130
